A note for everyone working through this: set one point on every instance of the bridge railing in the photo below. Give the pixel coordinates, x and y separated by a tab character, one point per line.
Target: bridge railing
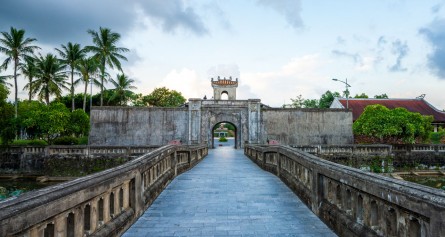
353	149
101	204
79	149
354	202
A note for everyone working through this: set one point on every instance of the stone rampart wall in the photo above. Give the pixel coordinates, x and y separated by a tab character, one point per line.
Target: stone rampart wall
101	204
307	126
353	202
138	126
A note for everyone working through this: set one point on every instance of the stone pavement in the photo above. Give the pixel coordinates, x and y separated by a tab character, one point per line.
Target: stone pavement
228	195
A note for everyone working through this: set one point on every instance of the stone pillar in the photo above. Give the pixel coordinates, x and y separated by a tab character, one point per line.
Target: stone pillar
94	215
117	208
106	207
60	226
194	121
254	121
36	232
78	222
126	199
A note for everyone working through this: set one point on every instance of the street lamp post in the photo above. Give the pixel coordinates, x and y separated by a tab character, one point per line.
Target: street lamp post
347	91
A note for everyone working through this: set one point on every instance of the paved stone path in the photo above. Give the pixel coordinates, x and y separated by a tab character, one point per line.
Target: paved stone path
228	195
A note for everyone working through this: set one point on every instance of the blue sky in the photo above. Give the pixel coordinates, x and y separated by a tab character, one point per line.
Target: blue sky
279	49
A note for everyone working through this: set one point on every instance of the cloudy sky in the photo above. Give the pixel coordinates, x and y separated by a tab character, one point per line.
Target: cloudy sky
279	49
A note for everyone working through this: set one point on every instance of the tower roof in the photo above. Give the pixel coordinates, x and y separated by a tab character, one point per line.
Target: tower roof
225	82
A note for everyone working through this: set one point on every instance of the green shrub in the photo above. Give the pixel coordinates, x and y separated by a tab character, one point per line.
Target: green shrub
83	140
66	141
223	139
437	137
35	142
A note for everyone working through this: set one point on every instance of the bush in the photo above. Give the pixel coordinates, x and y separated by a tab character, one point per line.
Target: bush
66	141
35	142
223	139
83	140
437	137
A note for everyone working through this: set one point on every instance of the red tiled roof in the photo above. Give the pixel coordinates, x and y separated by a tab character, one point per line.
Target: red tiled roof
412	105
224	82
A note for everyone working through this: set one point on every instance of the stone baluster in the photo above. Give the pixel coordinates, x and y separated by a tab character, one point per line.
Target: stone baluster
60	226
78	222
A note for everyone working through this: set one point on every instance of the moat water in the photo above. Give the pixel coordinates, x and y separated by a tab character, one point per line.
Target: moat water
434	181
14	187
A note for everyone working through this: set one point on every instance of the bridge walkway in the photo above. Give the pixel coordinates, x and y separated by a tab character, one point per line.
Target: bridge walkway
226	194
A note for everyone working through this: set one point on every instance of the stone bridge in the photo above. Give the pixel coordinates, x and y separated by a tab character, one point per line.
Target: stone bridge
226	195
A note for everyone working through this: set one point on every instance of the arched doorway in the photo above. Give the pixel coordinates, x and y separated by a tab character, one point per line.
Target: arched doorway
224	95
224	134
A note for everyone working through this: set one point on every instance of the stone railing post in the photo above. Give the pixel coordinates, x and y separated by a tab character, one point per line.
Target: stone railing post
126	198
60	226
278	163
94	215
78	222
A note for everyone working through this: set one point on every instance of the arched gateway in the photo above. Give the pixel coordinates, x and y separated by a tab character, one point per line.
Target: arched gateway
194	122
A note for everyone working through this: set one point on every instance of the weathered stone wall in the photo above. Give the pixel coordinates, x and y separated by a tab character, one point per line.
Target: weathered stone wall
136	126
307	126
65	160
194	124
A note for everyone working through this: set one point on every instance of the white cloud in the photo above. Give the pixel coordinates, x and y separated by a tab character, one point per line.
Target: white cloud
188	82
298	76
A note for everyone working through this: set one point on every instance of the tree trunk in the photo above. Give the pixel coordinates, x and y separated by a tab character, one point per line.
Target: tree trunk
85	96
72	90
30	88
15	86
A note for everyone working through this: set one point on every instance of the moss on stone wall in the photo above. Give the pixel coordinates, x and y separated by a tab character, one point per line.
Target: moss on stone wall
56	165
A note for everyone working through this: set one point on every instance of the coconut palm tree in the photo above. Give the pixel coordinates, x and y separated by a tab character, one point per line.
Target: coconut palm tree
107	53
88	68
50	78
122	91
70	56
16	47
4	78
29	70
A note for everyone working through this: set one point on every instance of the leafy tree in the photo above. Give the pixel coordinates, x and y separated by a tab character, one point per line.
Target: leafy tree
50	78
70	55
382	96
106	52
79	124
29	70
163	97
382	123
48	122
16	47
7	128
78	100
298	102
88	68
362	95
27	119
311	103
327	98
4	78
122	85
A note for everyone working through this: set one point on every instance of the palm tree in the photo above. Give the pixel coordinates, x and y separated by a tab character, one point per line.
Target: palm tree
70	56
16	47
88	68
122	90
106	52
29	70
4	78
50	78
